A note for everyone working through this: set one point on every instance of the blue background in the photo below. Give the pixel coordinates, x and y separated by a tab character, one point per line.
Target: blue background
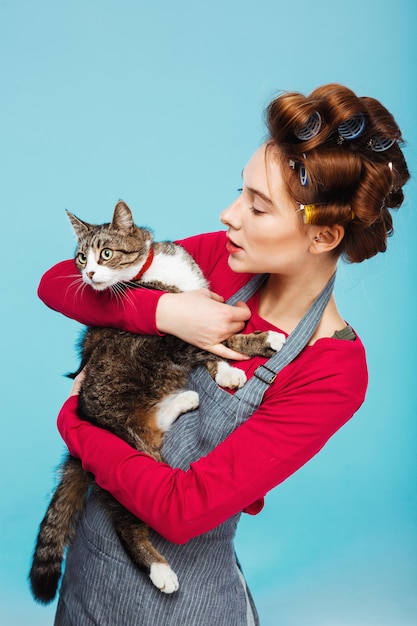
161	104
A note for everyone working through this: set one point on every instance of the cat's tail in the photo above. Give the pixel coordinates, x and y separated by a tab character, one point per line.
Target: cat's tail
56	530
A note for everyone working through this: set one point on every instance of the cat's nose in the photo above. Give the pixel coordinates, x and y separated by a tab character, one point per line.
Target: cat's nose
90	275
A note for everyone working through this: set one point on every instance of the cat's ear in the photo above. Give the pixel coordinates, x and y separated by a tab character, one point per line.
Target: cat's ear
78	225
122	218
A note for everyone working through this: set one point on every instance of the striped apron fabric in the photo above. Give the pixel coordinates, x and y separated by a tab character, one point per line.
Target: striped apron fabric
102	587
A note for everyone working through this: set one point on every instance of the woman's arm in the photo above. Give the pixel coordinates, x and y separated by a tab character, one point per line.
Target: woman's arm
287	430
62	290
199	317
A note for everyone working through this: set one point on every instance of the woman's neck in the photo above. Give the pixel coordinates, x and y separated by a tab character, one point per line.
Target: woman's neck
283	302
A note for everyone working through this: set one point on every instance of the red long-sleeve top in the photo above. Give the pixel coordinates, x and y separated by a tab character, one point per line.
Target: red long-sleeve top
310	400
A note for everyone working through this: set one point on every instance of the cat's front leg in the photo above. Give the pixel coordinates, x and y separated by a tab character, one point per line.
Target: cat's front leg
259	343
175	405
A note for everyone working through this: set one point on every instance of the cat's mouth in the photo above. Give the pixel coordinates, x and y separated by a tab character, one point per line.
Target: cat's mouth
97	285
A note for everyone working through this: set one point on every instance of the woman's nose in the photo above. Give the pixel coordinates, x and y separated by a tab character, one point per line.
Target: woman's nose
230	216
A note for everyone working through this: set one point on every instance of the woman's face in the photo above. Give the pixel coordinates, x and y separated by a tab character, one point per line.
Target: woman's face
265	233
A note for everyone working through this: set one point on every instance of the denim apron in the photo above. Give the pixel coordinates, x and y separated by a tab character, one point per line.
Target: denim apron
102	587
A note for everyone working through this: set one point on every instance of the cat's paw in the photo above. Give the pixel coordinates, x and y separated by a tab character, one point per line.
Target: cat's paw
229	377
276	340
164	577
187	401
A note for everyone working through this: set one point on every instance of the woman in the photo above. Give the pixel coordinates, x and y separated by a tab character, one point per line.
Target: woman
319	188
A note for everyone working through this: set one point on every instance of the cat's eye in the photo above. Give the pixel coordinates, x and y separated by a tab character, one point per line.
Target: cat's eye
81	258
106	254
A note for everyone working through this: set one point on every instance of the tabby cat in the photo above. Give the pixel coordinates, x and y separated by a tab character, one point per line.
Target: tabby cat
137	398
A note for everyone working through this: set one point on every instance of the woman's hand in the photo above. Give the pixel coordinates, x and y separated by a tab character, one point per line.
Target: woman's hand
202	318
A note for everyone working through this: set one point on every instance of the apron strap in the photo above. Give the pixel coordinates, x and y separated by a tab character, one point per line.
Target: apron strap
248	290
266	374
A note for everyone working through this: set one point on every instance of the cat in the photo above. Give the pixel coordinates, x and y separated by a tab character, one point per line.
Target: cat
137	398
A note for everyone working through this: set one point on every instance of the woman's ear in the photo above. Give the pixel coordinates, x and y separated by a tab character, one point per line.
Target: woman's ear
326	238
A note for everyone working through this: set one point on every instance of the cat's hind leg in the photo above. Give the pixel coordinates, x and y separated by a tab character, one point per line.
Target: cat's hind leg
226	375
173	406
164	577
134	535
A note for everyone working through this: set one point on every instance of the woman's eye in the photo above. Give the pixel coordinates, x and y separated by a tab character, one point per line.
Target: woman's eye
106	254
81	258
256	211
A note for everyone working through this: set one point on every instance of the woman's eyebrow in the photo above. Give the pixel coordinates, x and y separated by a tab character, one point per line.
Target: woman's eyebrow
255	192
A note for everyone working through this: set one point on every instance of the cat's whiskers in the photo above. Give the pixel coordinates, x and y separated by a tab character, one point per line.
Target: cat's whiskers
81	286
77	277
120	293
132	283
77	282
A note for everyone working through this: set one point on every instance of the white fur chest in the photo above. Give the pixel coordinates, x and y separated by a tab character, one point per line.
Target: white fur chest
176	270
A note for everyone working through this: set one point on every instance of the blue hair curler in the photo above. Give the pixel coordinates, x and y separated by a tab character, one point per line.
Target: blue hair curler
353	127
380	144
310	129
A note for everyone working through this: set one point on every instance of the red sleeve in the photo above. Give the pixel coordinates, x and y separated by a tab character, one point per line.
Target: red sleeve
299	414
60	289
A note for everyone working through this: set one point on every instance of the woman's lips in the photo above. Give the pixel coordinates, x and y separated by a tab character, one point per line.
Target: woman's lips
231	247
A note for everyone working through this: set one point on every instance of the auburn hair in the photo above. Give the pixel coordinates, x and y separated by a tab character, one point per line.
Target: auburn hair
352	182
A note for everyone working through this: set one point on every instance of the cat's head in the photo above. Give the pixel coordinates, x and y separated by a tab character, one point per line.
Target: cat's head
109	254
